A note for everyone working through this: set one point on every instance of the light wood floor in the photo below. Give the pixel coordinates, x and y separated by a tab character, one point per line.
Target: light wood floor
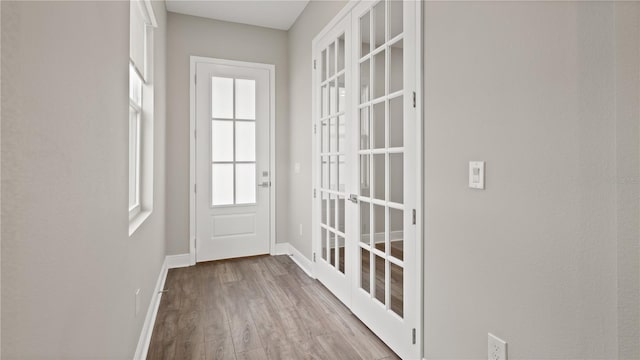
256	308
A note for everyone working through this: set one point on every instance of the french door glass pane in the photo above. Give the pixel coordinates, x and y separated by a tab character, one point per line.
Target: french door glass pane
378	176
364	82
395	18
341	254
245	99
396	122
332	59
245	141
395	67
378	126
364	128
324	136
342	133
245	183
332	247
341	214
333	138
396	233
324	101
221	140
221	184
397	291
379	23
341	94
379	63
365	34
396	171
365	260
333	97
332	211
378	268
379	227
341	54
221	98
365	184
323	240
133	157
324	200
365	220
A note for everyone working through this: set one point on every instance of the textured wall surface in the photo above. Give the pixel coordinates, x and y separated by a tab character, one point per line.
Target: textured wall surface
69	267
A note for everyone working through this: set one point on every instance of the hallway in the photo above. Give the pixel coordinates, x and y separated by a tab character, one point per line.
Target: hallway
256	308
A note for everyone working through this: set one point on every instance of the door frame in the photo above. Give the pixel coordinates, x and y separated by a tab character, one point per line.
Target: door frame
419	158
193	61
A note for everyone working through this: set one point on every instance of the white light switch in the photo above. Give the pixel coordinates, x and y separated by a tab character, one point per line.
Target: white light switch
476	174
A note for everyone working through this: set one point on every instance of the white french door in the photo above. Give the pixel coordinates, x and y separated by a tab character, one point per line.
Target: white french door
371	177
332	165
232	109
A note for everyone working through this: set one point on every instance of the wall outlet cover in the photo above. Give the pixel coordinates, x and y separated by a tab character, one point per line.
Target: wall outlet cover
497	348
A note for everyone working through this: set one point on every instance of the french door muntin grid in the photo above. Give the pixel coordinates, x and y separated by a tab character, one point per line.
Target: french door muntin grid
368	150
234	120
332	152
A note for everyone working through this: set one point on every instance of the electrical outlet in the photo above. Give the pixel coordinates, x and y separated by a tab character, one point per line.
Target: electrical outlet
497	348
137	309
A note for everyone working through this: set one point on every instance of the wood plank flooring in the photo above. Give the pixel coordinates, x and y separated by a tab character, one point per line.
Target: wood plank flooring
262	307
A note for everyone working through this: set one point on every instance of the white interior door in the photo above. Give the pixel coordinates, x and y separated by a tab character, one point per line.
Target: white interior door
332	231
232	161
385	291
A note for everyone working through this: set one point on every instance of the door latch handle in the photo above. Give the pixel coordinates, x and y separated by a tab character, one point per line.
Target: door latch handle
353	198
265	184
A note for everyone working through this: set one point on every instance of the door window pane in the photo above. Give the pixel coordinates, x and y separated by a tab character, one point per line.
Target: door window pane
342	94
341	254
364	270
341	214
364	128
395	18
365	186
379	84
332	59
332	248
396	233
342	132
323	65
222	184
245	99
397	290
221	98
396	122
364	82
396	171
221	140
245	141
365	34
378	126
379	227
379	24
341	53
395	67
323	241
324	136
379	278
365	220
245	183
378	176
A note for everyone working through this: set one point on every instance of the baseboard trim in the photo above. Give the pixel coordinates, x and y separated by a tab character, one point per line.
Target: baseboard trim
178	261
302	261
281	249
147	328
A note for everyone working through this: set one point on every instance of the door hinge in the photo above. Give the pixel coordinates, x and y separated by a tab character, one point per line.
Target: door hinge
315	129
413	336
414	99
195	243
314	193
314	257
314	64
195	78
414	216
195	190
195	134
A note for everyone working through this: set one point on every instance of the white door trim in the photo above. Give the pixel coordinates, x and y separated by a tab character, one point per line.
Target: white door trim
419	159
192	145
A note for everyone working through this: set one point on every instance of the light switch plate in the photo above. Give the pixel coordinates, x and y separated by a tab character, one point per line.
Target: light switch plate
476	174
497	348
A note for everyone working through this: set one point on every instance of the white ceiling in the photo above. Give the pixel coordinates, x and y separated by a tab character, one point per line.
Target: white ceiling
276	14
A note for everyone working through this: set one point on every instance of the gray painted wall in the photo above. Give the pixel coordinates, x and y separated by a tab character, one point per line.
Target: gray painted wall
190	35
69	267
314	17
532	89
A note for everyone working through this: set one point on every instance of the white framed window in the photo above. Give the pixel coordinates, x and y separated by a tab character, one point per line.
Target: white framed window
135	117
140	120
